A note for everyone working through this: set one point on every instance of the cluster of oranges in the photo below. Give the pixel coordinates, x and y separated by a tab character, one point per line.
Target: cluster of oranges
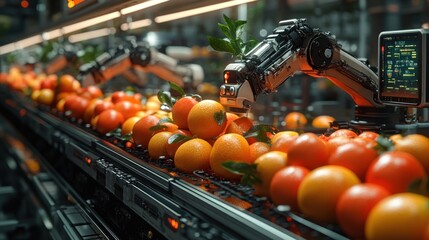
347	179
343	178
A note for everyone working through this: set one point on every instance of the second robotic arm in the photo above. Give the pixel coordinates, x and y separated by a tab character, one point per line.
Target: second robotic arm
144	58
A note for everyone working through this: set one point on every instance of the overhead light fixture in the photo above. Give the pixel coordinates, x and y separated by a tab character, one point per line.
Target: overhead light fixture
91	34
90	22
200	10
51	34
28	42
141	6
136	24
8	48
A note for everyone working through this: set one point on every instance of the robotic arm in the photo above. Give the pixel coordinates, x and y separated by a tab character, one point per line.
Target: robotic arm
144	58
295	47
65	58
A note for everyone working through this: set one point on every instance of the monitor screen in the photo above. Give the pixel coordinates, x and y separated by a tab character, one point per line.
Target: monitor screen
400	68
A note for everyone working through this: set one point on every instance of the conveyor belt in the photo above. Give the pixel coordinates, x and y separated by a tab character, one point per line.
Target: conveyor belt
171	204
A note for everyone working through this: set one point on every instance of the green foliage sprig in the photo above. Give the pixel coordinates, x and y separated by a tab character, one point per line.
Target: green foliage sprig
233	42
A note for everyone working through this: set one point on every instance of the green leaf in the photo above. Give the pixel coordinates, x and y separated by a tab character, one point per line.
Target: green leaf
239	24
130	90
260	132
239	168
248	171
165	98
221	45
220	117
225	29
178	138
158	127
164	120
384	144
231	25
126	137
177	88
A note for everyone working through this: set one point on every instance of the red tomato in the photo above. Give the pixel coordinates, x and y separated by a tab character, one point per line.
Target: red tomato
101	106
109	120
127	108
285	184
308	151
353	156
354	206
395	171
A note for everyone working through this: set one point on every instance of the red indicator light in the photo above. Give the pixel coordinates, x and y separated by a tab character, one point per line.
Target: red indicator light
22	112
88	160
382	49
174	224
226	76
24	4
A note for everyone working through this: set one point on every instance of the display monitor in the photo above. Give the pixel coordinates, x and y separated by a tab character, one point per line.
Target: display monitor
402	67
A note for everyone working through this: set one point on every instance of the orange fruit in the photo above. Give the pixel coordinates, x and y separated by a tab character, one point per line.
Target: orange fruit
240	125
207	119
282	134
399	216
127	108
193	155
67	83
128	125
308	151
141	130
157	144
90	92
369	135
230	117
165	126
320	191
395	137
46	96
89	111
417	145
267	165
109	120
172	147
343	132
35	94
229	147
395	171
118	96
295	120
355	157
181	109
354	206
285	184
256	149
322	121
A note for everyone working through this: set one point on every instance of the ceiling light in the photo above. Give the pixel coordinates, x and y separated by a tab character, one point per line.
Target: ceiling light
90	22
7	48
136	24
29	41
91	35
196	11
141	6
